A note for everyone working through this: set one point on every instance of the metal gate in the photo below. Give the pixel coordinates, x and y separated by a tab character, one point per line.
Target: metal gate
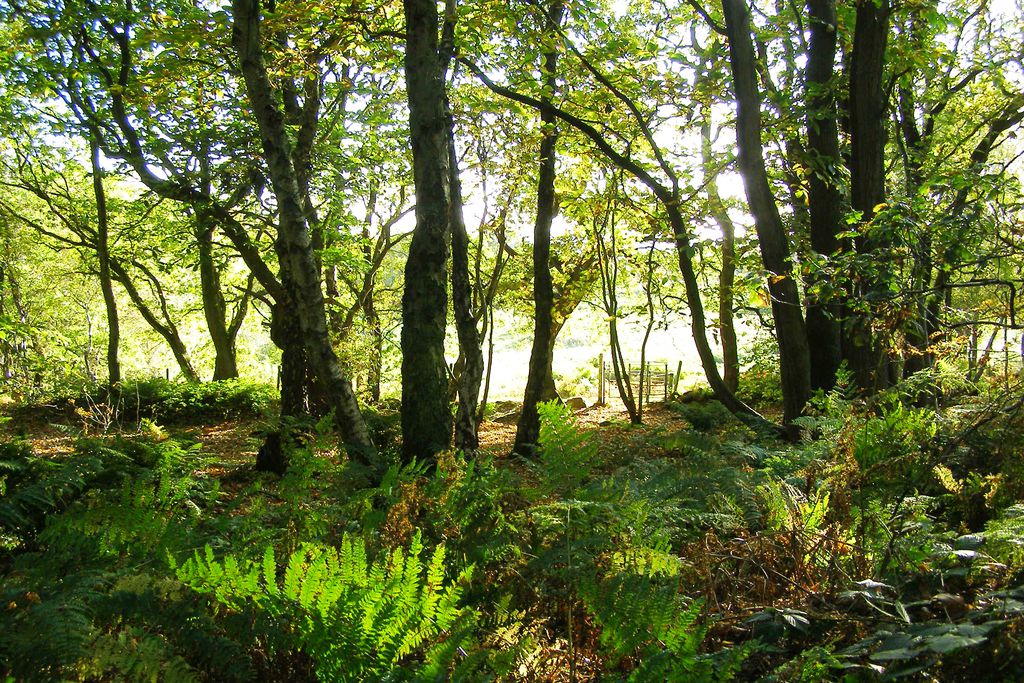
659	383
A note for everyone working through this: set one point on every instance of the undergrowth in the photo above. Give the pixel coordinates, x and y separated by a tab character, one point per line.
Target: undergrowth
885	545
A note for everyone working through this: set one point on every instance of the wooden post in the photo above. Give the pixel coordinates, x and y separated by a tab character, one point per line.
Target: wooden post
600	380
647	383
675	384
167	374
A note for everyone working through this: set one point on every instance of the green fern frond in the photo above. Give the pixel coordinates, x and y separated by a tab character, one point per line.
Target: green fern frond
567	453
645	618
358	620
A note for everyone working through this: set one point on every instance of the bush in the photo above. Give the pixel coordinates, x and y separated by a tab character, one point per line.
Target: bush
704	417
157	399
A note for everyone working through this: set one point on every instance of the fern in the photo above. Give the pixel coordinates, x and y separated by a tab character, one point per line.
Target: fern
133	654
567	454
357	619
37	488
44	632
643	618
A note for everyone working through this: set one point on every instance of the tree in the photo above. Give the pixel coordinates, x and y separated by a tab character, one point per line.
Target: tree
59	191
103	256
299	272
867	106
794	354
668	193
426	420
825	195
539	379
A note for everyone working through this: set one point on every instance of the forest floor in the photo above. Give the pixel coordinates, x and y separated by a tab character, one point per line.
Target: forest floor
741	551
235	441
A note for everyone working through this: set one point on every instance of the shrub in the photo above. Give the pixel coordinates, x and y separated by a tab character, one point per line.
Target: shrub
702	416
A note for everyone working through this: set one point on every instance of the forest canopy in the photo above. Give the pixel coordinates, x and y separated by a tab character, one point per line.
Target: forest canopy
537	340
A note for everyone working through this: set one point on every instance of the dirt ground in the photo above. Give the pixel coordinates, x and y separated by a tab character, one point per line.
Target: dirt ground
611	423
235	442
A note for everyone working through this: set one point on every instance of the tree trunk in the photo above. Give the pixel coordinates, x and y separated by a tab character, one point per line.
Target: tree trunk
917	331
470	345
539	380
607	262
103	256
214	307
862	350
166	328
376	366
426	419
287	336
727	276
825	196
794	355
299	274
549	392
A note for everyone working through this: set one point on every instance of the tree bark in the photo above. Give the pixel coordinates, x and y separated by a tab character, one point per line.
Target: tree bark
214	306
825	194
426	419
862	351
103	256
466	319
299	274
794	355
539	380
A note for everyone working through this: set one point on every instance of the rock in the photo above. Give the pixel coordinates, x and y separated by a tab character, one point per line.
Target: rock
575	404
694	396
507	419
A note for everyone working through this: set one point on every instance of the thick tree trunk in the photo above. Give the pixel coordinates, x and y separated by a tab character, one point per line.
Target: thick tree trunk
103	256
426	419
825	196
862	350
794	355
287	336
539	382
299	274
549	392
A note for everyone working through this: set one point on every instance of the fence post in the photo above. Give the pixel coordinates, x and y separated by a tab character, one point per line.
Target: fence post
647	383
600	380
